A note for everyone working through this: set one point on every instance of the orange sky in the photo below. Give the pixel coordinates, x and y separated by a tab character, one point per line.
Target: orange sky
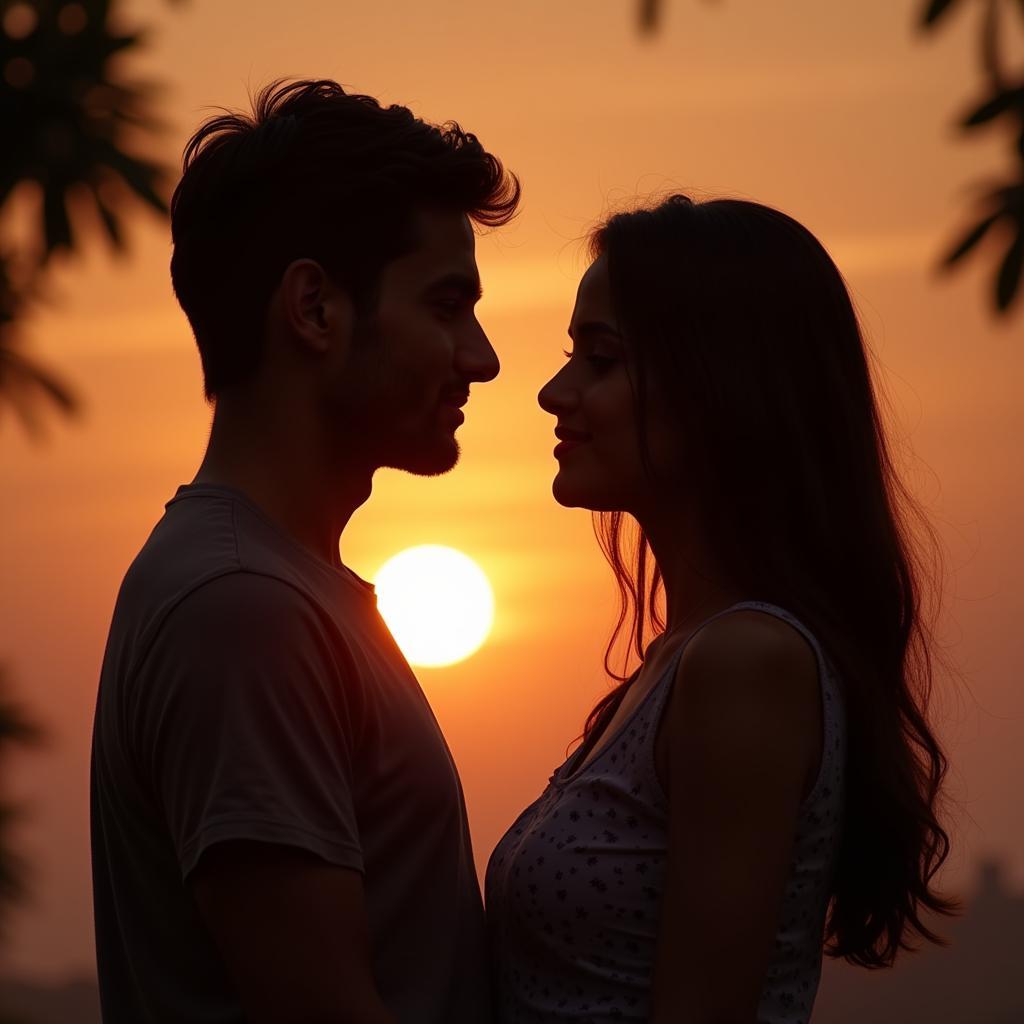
840	118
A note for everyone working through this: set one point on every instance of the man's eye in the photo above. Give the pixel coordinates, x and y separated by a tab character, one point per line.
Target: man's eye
449	307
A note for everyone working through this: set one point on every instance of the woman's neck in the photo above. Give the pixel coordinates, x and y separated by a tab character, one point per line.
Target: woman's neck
695	585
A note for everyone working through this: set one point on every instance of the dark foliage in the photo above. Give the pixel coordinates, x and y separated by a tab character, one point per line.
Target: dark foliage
1004	105
16	729
68	118
1001	207
25	386
70	126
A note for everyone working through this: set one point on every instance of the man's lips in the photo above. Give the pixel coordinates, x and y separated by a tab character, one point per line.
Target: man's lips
451	407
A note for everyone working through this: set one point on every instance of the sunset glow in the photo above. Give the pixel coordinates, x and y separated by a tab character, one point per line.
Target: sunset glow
437	602
842	115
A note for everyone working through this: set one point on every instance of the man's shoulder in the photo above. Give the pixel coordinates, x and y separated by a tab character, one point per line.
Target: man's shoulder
210	531
240	629
192	542
201	570
207	535
259	602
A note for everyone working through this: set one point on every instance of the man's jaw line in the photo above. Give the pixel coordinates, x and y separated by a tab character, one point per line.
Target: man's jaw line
433	468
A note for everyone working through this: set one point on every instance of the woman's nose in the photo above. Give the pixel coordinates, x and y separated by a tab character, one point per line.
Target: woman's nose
558	396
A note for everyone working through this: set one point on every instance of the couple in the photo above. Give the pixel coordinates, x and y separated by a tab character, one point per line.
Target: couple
279	833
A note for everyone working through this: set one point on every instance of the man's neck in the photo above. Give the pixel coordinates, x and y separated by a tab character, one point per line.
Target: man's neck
289	478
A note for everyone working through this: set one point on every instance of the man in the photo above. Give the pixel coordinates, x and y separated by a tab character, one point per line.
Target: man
279	833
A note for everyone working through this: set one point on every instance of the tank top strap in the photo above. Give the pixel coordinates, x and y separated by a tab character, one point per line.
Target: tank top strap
792	620
664	685
833	722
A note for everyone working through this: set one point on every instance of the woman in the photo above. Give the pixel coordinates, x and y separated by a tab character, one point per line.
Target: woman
766	781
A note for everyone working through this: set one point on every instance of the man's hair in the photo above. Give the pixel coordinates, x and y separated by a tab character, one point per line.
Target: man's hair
317	173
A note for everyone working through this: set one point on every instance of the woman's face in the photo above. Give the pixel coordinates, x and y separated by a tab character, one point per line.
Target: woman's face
592	398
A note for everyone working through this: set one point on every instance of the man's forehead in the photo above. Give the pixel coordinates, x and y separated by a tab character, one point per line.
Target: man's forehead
444	229
441	256
443	244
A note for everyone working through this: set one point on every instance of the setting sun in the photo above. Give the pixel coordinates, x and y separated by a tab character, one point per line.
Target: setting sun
437	602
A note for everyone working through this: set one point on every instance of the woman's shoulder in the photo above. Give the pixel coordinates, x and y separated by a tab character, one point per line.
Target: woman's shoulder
745	710
754	636
754	658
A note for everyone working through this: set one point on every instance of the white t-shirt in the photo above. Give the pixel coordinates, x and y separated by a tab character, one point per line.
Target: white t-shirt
251	691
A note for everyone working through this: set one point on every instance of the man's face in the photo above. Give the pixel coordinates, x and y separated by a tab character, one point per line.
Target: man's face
412	363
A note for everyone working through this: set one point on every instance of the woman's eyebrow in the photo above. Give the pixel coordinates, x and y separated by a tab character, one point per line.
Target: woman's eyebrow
591	329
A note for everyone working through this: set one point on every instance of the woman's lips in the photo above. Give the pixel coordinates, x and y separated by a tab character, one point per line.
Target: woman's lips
564	447
568	440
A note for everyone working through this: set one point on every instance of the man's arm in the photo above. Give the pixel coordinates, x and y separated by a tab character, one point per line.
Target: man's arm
244	730
293	933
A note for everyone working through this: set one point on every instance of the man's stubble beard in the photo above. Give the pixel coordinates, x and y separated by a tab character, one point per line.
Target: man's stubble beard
427	461
351	408
422	450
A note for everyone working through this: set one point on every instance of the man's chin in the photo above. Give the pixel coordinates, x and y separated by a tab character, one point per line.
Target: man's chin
435	460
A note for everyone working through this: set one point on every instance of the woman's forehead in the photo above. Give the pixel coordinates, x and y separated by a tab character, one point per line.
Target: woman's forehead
593	297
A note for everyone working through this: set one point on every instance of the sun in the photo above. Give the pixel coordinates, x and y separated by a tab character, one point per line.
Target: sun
437	602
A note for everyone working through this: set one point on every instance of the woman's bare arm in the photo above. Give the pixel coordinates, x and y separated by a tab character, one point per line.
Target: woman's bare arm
743	736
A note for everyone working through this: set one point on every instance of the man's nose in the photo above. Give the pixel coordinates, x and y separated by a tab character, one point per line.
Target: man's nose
476	360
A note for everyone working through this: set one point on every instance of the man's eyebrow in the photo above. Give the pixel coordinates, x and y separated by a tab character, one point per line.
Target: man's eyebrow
468	285
591	329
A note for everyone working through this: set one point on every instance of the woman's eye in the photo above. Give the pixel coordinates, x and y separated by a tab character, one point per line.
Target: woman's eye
599	363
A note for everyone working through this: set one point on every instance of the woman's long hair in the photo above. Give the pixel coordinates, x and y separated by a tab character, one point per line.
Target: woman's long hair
745	323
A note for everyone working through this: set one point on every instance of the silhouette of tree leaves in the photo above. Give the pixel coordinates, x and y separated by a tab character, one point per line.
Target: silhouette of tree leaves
25	385
1008	281
650	15
16	729
971	239
935	10
1002	102
70	126
1004	204
68	119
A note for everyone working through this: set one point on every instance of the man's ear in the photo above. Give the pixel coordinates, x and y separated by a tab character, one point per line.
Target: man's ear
317	312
